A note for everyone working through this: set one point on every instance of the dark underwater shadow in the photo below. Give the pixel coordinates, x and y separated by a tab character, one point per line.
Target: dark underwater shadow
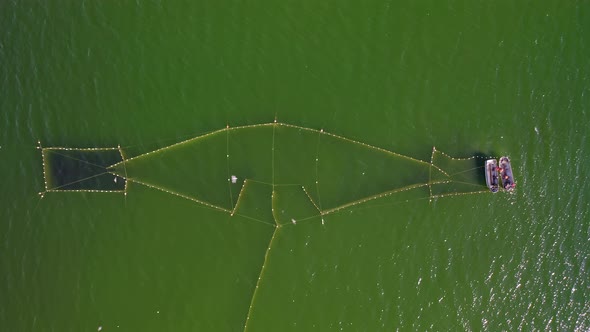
81	170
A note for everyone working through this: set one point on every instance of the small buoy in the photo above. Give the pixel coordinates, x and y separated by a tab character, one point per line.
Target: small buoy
234	179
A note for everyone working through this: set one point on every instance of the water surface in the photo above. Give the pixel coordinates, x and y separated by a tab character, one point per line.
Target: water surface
466	77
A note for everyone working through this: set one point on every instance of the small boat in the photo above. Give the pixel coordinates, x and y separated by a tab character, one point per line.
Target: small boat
506	174
492	174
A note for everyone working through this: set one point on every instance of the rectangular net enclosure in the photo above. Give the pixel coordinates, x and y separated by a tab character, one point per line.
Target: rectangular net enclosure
81	169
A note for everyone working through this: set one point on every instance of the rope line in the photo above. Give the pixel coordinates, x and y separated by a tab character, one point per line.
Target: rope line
70	157
468	170
77	181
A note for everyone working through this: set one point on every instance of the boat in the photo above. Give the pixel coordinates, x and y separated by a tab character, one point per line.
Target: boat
506	174
492	175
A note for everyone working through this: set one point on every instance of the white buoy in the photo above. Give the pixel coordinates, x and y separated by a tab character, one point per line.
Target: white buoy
234	179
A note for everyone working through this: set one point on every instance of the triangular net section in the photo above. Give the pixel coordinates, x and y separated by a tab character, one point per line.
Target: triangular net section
456	176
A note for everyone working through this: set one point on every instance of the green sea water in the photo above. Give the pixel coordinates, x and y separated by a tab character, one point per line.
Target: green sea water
469	77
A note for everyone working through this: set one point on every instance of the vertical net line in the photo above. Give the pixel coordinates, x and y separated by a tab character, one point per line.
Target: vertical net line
317	180
124	169
40	147
229	181
260	276
430	174
273	153
272	195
